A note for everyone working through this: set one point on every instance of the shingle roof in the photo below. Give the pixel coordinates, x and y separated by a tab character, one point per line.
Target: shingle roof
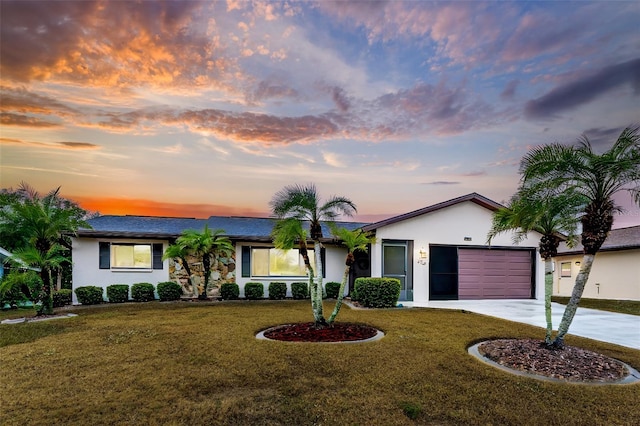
237	228
473	197
618	239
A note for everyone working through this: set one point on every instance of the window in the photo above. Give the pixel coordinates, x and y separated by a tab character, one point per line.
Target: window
130	256
272	262
565	269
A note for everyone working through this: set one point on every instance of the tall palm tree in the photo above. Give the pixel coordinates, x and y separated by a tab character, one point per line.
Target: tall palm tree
205	245
302	203
597	177
354	241
548	214
43	223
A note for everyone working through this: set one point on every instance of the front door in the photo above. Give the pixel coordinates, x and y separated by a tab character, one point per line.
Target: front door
395	265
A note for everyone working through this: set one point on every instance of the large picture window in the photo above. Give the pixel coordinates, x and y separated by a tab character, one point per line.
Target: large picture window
130	256
272	262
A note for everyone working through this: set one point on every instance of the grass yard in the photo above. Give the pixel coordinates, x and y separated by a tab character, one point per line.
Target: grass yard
200	364
631	307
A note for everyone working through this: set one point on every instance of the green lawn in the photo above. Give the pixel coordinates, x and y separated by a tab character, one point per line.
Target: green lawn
631	307
200	364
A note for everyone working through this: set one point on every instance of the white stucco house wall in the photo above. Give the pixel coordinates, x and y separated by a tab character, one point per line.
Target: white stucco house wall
615	273
440	253
129	249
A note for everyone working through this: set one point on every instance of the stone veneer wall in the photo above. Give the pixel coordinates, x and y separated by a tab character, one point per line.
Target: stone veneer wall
223	270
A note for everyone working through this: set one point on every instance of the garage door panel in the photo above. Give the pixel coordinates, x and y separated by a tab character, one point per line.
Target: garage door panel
494	274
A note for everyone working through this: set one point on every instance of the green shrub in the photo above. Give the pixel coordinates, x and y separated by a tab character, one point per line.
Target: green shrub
277	290
61	297
142	292
169	290
18	286
300	290
229	291
332	289
378	292
354	295
254	291
89	295
118	293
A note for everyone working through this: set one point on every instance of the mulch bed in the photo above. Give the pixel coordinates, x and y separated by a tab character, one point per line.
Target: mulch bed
306	332
571	363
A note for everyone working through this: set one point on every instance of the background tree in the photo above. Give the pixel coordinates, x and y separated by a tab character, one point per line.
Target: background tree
302	203
356	240
38	229
548	214
206	246
598	177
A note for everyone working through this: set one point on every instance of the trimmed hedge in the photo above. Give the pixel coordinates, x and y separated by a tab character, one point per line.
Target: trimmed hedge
169	290
229	291
332	288
277	290
142	292
378	292
61	297
300	290
118	293
253	291
89	295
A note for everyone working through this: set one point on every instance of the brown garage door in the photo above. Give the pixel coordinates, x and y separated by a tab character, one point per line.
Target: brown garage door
494	274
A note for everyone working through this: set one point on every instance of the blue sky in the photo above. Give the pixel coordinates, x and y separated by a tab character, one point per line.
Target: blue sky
209	108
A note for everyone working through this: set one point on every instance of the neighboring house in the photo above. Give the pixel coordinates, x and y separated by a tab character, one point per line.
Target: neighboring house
129	249
5	257
440	253
615	273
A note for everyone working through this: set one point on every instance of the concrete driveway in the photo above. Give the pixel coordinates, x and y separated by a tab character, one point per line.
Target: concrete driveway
610	327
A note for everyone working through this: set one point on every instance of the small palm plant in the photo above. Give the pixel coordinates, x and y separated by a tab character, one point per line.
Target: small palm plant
205	245
302	204
548	214
354	241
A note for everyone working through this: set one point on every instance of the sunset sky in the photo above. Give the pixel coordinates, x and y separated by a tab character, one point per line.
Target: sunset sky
208	108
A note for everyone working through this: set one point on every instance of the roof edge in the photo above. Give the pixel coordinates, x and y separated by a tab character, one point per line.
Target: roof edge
474	197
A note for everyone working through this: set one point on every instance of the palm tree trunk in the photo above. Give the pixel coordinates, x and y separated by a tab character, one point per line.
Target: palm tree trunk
47	302
572	306
206	265
317	290
548	290
336	308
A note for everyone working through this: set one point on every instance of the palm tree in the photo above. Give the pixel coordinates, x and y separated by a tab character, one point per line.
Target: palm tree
301	203
178	250
44	224
206	245
548	214
597	177
354	241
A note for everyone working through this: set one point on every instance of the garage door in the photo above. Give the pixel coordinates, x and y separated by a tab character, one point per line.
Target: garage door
494	274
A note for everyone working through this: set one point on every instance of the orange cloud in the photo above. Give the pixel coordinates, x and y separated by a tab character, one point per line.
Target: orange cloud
53	145
143	207
9	119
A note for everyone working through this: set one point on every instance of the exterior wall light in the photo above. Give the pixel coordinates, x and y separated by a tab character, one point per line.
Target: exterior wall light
422	256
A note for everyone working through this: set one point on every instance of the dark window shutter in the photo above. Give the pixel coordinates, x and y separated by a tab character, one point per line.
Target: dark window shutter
246	261
104	255
157	256
323	257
